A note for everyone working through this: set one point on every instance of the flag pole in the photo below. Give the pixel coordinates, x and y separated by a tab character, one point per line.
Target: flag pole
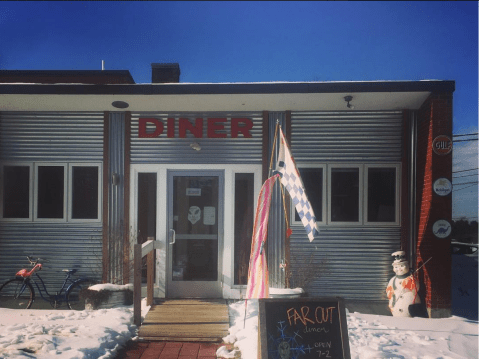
274	147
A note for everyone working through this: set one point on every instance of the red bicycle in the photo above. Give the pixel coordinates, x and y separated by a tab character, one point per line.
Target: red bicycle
19	292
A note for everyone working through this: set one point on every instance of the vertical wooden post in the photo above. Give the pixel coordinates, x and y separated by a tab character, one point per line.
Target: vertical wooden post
137	286
149	277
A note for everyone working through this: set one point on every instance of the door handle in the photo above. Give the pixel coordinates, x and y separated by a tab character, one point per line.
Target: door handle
174	236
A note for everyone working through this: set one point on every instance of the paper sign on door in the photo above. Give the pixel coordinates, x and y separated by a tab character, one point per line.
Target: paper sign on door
209	216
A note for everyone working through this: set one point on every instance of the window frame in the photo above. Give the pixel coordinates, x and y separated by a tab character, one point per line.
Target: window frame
292	213
397	207
30	190
70	192
363	194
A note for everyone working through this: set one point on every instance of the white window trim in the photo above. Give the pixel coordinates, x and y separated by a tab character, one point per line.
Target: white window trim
397	221
30	196
70	192
361	193
65	188
292	215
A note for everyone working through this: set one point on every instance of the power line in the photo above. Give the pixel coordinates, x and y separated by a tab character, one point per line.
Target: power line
468	134
472	139
465	176
458	184
472	169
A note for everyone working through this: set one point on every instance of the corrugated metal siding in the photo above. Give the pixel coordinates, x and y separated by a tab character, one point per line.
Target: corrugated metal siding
76	246
51	136
216	150
276	225
357	259
116	197
346	136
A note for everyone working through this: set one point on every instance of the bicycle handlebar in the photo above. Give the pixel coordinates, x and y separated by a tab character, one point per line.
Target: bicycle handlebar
34	261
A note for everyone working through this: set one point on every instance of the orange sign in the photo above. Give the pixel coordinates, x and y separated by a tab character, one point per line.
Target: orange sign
442	145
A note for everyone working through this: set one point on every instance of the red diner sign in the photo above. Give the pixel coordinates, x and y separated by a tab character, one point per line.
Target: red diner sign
442	145
215	127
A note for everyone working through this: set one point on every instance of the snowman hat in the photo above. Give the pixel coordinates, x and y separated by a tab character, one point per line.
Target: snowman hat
399	257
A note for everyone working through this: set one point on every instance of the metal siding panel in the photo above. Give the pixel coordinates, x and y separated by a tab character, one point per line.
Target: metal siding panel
276	233
346	136
116	195
358	260
76	246
177	150
51	136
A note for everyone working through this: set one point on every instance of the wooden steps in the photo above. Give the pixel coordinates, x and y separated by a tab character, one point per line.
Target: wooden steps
192	320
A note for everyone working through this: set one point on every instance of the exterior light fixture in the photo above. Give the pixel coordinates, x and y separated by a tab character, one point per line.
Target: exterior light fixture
120	104
349	99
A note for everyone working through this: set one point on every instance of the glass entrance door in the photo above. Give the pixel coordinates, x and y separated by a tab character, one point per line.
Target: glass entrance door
195	231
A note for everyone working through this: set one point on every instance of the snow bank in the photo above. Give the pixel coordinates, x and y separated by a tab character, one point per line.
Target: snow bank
373	336
111	287
66	334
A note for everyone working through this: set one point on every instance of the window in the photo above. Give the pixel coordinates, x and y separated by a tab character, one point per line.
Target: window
244	216
85	190
313	180
16	192
383	196
51	191
345	189
359	194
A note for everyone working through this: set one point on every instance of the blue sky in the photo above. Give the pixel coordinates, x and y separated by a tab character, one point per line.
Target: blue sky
261	41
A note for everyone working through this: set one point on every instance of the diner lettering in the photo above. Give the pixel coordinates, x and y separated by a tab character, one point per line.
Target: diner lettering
215	127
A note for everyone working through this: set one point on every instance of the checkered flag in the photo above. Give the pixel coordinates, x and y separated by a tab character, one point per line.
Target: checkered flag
291	180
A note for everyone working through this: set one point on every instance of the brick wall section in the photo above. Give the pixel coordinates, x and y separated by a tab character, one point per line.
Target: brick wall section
434	119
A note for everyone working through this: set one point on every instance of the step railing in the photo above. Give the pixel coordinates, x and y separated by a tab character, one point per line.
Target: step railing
141	250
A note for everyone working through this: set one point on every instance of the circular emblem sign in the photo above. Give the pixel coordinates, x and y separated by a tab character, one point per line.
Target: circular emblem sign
441	228
442	186
442	145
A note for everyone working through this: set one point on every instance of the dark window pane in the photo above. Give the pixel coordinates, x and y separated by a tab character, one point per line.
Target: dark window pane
50	191
381	195
345	195
313	185
16	192
244	204
146	214
146	206
85	192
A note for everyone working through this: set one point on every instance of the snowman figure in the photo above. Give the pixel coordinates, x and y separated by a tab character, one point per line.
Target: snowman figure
402	288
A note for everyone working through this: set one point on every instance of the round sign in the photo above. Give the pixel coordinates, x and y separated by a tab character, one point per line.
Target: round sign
441	228
442	145
442	186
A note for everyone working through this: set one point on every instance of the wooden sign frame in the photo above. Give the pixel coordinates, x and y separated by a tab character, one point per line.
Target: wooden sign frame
303	328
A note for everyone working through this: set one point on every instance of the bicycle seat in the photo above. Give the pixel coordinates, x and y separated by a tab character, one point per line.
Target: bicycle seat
70	271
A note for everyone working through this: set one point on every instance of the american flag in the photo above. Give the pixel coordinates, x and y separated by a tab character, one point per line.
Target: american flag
291	180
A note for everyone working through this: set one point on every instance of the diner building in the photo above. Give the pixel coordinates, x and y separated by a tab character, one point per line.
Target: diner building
92	163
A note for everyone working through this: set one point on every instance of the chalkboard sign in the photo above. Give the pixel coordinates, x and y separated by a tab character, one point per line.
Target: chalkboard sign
303	328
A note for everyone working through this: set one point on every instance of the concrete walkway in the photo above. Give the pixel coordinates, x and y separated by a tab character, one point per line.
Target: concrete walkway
169	350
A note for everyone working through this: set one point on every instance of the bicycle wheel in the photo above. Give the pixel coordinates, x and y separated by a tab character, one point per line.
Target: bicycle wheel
16	294
75	299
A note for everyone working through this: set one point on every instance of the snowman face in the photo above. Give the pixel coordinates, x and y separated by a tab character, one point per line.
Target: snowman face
401	268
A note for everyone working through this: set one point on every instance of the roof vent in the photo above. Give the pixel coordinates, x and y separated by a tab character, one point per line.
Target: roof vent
165	73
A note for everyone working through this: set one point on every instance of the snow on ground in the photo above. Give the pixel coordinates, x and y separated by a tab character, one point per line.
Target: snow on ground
376	336
65	334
